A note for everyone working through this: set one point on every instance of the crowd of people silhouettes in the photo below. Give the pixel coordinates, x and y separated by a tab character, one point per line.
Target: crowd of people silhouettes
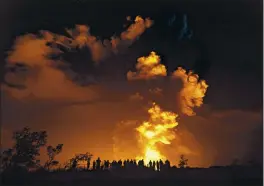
98	164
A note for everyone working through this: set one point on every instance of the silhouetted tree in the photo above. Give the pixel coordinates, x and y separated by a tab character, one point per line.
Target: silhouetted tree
183	162
6	158
26	148
73	163
88	158
85	157
52	152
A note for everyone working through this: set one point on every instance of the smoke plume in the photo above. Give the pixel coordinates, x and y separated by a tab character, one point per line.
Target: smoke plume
91	113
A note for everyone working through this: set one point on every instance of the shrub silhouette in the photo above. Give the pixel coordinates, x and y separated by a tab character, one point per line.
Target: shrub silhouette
183	162
72	164
52	152
26	149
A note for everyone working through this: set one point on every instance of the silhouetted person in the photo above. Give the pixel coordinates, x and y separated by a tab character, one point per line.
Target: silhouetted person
128	163
98	163
167	164
154	165
106	164
119	163
141	163
150	164
131	162
161	165
88	165
158	165
114	164
135	163
125	163
94	165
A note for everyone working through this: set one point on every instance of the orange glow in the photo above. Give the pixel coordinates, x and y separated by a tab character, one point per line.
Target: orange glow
159	129
147	68
136	29
193	90
48	83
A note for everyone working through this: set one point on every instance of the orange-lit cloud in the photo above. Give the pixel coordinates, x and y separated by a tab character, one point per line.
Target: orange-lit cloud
51	100
136	97
136	29
147	68
156	91
41	79
102	49
193	90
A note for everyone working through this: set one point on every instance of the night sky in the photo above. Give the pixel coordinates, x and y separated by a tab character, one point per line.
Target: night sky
225	49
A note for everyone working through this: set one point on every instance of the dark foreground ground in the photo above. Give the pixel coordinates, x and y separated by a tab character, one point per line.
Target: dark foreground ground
190	176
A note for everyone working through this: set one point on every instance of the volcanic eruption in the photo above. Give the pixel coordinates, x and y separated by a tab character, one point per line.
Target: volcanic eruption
45	60
160	128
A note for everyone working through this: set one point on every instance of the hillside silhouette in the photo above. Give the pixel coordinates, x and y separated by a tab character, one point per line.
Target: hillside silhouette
20	166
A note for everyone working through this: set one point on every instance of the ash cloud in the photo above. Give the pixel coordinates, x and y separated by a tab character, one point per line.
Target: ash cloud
48	76
47	94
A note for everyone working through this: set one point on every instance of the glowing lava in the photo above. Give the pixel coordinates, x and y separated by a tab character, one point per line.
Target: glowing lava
157	130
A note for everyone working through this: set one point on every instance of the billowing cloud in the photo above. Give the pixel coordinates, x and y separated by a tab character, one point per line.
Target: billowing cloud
46	77
40	77
102	49
41	91
193	90
147	68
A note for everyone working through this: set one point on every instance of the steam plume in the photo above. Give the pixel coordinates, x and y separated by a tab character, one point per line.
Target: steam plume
193	91
147	68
